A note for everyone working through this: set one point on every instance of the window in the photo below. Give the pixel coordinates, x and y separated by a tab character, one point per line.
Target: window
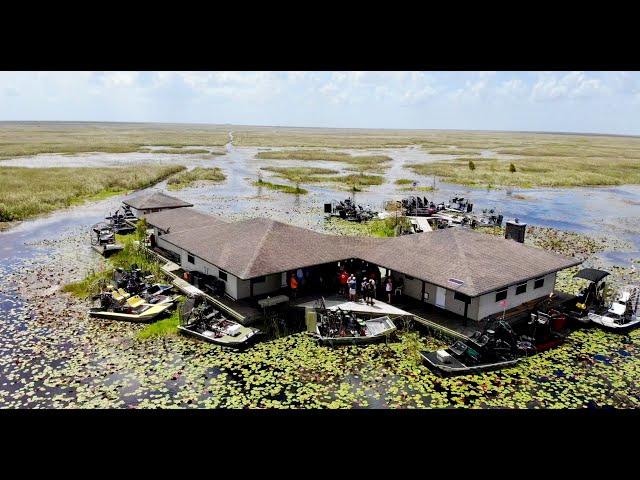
501	295
462	297
539	283
261	279
521	288
190	258
222	274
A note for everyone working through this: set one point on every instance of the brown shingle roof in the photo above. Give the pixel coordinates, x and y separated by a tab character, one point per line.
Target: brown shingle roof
179	219
483	263
255	247
155	200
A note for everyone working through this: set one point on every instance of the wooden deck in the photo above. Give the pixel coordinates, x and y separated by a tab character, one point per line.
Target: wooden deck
242	312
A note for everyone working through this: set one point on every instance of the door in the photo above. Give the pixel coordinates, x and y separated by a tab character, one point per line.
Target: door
441	294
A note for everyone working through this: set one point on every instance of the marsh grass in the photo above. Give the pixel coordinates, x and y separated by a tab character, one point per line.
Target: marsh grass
162	328
418	189
183	151
361	161
131	254
31	138
533	172
91	285
186	178
300	174
26	192
281	188
378	227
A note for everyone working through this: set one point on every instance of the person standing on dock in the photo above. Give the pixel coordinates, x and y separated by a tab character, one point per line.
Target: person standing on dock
352	288
293	283
389	288
372	290
344	280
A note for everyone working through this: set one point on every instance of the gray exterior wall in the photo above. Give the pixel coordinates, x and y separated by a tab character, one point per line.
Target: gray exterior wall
489	306
235	287
479	307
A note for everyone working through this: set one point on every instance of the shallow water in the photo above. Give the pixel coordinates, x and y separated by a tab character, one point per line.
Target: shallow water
48	346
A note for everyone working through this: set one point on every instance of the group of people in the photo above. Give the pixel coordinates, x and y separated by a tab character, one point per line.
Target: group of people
354	280
364	286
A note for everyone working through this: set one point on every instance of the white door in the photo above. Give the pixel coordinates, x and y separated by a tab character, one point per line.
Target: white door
440	297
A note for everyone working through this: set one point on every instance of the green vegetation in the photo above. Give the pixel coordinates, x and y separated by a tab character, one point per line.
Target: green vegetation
281	188
91	285
362	161
131	254
418	189
31	138
403	181
512	168
177	150
186	178
377	227
532	172
301	174
453	151
26	192
162	328
323	175
472	165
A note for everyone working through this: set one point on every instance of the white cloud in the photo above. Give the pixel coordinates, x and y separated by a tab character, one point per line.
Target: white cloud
571	85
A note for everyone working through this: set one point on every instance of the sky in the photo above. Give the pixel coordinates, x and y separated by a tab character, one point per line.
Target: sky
587	102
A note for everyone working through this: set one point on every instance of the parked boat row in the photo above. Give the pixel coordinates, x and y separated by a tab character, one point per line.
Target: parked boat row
498	346
349	210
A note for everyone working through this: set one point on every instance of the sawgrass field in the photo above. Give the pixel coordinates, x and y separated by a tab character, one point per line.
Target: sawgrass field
31	138
26	192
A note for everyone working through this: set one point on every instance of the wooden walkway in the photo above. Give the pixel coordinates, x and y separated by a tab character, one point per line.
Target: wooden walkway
169	267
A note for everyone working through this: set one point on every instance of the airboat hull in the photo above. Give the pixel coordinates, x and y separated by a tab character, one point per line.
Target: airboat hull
456	367
247	334
146	316
106	250
610	324
379	328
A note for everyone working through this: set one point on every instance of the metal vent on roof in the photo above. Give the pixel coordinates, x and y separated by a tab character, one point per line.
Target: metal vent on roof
456	282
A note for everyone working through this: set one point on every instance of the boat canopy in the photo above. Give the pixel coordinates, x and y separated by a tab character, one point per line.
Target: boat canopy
592	274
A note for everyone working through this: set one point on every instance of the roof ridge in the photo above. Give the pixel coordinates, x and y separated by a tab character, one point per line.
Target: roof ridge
462	252
260	245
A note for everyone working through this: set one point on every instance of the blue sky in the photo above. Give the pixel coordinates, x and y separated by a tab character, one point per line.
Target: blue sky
603	102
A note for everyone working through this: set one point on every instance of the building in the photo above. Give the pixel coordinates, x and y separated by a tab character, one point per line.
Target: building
468	273
459	270
154	202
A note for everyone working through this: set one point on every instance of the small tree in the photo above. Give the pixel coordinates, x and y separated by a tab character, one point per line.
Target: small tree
512	168
141	229
472	166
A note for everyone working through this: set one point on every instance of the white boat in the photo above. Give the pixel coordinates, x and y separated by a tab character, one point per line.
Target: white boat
369	331
623	313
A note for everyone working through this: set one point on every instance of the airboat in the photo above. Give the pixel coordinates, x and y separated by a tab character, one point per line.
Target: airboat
623	313
340	327
103	239
200	319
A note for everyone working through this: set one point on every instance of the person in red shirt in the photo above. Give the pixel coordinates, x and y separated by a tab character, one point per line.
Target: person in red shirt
293	283
344	279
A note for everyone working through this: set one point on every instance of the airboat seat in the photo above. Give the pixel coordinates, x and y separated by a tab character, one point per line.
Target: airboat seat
124	293
135	302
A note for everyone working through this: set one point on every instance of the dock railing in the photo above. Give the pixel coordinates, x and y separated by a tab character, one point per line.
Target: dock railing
225	308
